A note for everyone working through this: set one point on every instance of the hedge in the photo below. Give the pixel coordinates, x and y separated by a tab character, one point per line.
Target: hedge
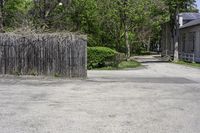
101	56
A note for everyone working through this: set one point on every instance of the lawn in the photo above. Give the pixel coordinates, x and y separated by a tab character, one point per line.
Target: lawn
196	65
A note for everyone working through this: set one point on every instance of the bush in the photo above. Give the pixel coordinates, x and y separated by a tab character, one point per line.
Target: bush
100	57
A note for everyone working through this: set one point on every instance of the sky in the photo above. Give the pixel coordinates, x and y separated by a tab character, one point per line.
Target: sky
198	3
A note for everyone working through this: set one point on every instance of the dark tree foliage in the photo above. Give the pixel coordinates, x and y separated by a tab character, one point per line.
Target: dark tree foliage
124	25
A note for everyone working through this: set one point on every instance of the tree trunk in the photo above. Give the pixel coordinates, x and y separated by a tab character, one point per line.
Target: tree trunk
128	50
1	16
176	40
176	44
127	42
148	44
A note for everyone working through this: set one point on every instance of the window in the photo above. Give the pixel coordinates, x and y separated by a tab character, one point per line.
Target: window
183	42
192	39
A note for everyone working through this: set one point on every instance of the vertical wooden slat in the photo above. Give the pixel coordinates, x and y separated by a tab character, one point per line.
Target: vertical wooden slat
43	54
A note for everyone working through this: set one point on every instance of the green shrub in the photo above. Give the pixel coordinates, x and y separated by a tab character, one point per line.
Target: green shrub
145	53
100	57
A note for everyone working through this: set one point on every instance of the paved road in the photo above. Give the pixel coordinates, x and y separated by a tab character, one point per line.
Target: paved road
157	98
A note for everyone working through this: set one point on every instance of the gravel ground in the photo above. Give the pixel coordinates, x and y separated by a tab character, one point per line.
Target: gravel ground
157	98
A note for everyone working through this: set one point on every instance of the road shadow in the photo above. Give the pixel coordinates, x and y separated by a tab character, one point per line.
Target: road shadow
160	80
151	59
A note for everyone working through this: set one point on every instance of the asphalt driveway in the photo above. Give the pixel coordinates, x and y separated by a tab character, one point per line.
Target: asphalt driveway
157	98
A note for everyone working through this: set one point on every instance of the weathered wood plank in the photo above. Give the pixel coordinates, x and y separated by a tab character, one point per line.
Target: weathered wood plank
43	54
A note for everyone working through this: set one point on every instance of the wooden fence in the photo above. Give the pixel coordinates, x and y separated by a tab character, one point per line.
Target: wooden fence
191	57
43	54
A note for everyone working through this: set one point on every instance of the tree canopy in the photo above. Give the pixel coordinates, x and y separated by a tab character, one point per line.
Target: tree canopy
124	25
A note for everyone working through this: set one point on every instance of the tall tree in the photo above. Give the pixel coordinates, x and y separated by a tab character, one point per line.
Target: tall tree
174	8
43	10
1	16
14	13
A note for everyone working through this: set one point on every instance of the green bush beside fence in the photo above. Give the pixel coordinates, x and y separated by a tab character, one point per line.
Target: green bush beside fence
101	56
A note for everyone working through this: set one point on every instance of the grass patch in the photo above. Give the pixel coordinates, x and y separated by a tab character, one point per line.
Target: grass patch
196	65
122	65
129	64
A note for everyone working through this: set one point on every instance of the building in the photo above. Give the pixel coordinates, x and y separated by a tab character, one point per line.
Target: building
189	44
189	38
